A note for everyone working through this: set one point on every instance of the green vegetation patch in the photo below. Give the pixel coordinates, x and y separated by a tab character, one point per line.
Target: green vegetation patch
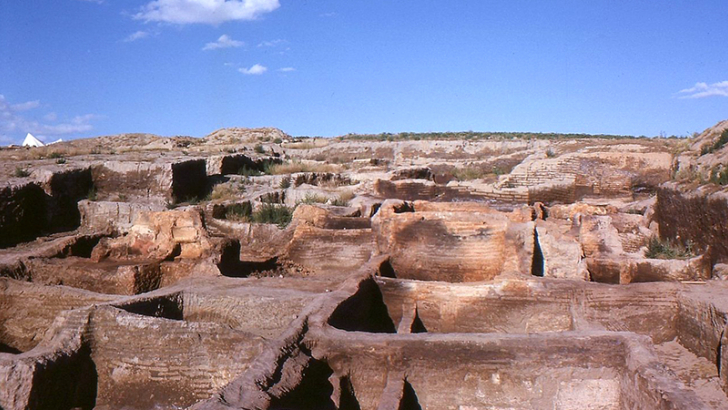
718	144
313	199
21	172
667	249
239	212
280	215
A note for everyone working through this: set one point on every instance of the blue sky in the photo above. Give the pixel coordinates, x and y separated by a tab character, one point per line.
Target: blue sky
78	68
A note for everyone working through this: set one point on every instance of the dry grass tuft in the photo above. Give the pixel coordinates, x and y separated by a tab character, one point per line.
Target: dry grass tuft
224	192
343	199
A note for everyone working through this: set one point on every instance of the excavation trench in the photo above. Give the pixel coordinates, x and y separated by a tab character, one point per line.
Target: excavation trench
37	209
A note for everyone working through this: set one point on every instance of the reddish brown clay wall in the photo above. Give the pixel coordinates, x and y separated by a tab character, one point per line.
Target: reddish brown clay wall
698	217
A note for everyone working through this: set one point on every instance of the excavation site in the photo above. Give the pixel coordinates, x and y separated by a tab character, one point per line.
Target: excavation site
250	269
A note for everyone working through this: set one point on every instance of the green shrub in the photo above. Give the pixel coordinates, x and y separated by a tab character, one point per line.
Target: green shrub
240	212
722	140
249	172
666	249
21	172
550	153
55	154
61	161
277	140
273	214
313	199
285	182
259	149
718	176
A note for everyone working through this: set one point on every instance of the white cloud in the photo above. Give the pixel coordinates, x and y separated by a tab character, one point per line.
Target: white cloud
327	14
254	70
29	105
702	90
286	69
271	43
223	42
14	124
205	11
137	35
93	1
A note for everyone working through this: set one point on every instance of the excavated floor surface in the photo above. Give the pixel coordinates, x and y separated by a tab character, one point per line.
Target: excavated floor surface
396	283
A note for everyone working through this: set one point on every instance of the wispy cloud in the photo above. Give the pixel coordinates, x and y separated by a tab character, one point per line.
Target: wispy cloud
272	43
137	35
702	90
14	120
205	11
93	1
223	42
28	105
286	69
327	14
257	69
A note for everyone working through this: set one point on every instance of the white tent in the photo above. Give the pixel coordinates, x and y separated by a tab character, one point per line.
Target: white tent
56	141
31	141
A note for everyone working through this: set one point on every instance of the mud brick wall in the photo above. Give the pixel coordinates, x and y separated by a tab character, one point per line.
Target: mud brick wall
27	310
266	312
180	180
408	191
564	193
148	362
331	249
476	370
422	245
100	215
132	178
514	196
699	217
649	309
518	308
700	326
478	309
